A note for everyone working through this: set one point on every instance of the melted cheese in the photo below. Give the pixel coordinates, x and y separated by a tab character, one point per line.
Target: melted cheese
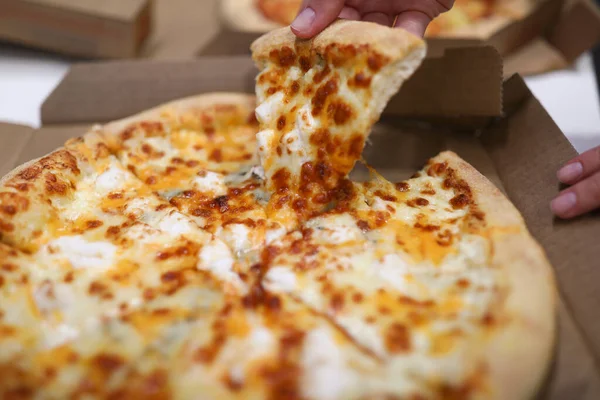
79	253
326	375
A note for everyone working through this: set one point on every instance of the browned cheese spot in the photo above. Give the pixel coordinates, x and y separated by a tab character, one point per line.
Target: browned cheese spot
13	203
397	338
285	57
323	92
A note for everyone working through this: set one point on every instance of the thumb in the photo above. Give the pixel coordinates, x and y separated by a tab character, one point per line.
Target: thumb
315	16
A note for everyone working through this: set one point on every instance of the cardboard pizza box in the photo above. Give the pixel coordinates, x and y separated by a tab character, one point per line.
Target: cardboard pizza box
498	127
110	29
552	36
83	28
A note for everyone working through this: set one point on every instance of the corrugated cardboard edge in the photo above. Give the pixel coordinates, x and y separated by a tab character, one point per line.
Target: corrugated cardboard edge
529	178
463	79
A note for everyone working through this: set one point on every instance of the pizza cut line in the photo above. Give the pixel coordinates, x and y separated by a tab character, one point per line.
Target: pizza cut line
147	258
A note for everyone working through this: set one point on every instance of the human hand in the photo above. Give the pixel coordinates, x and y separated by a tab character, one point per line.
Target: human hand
583	174
412	15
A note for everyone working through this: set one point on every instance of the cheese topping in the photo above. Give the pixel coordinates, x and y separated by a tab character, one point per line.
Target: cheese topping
79	252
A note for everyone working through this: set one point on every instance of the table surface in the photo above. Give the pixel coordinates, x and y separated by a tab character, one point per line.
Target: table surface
27	77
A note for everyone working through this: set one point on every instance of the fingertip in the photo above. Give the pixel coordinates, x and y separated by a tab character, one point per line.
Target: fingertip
414	22
565	205
349	13
303	25
570	173
316	16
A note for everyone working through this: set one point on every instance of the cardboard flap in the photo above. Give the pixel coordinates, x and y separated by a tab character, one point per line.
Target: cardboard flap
128	87
534	25
536	57
528	149
464	82
13	139
577	31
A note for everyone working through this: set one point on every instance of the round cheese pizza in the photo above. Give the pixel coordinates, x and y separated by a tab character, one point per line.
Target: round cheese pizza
215	248
467	18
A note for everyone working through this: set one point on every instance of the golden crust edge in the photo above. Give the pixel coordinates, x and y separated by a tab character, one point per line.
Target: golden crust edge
519	354
394	43
179	106
4	180
115	127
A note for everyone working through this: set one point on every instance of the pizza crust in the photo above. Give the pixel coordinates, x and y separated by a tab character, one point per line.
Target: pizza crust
518	354
181	106
244	15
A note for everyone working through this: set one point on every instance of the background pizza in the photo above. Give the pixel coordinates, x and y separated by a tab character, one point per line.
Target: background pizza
281	11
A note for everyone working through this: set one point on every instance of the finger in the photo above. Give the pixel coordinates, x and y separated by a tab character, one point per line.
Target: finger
415	22
315	16
379	18
432	8
580	167
579	199
349	13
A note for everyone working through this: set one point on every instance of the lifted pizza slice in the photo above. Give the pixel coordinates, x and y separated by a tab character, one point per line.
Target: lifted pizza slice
317	101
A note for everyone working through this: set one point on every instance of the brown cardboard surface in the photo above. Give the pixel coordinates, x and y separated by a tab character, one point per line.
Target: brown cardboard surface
181	28
536	57
85	28
13	139
519	151
528	149
463	81
577	31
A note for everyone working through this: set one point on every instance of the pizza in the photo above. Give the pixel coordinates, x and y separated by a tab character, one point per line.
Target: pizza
478	18
153	257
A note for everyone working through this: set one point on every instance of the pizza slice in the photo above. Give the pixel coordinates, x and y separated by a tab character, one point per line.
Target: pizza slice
430	270
317	101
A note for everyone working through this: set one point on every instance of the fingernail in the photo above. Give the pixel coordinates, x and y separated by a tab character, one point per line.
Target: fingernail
564	203
304	20
570	172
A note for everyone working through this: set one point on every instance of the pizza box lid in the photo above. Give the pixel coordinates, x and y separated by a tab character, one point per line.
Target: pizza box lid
110	29
514	142
552	36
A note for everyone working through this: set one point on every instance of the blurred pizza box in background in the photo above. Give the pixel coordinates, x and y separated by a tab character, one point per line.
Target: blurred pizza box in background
82	28
551	36
110	29
456	101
